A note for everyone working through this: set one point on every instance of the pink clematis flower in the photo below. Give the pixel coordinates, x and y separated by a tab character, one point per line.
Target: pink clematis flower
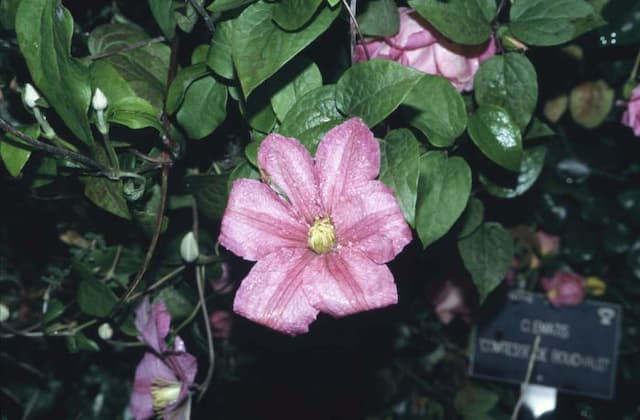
320	230
565	288
631	116
163	377
417	44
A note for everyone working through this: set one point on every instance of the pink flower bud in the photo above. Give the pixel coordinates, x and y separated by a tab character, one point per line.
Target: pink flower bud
419	45
631	116
547	244
565	288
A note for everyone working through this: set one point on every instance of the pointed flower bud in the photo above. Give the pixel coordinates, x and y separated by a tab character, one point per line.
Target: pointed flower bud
30	95
99	102
4	312
105	331
189	248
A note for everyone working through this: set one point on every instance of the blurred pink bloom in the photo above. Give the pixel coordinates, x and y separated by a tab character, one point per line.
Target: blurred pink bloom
419	45
221	323
548	244
163	376
631	116
223	284
449	302
320	230
565	288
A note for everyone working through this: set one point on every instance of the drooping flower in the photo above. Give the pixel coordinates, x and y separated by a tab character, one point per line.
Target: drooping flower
450	301
164	375
417	44
631	117
565	288
321	231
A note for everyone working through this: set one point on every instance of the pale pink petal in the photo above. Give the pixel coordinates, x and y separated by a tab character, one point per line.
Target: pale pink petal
289	169
457	68
373	47
153	323
346	282
422	59
413	33
272	295
347	157
257	222
489	51
150	368
371	220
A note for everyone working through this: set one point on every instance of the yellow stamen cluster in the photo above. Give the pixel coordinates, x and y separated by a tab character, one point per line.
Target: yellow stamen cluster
322	235
164	393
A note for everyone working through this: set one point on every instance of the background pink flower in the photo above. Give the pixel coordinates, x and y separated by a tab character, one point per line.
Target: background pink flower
221	323
565	288
450	301
321	231
631	116
547	244
419	45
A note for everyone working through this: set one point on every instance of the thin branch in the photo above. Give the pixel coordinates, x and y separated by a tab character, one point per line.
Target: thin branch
355	28
133	46
207	325
204	14
57	151
159	283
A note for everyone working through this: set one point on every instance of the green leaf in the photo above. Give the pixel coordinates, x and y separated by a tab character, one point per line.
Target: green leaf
178	305
163	13
437	109
257	109
148	217
224	5
243	170
487	254
134	112
96	298
144	69
44	29
291	15
260	47
443	191
379	18
462	21
530	169
400	168
105	193
55	309
8	9
497	136
14	152
552	22
178	88
110	82
80	342
312	116
219	57
297	78
374	89
204	107
509	81
210	192
471	218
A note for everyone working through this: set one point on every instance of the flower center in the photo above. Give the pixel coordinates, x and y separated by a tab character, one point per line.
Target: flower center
164	393
322	235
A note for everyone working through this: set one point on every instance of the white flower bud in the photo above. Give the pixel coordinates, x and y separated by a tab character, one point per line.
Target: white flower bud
99	102
4	312
30	95
105	331
189	248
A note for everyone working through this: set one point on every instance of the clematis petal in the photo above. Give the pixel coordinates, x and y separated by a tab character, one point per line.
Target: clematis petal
371	220
153	323
414	31
272	295
150	368
422	59
289	169
257	222
457	68
346	282
347	157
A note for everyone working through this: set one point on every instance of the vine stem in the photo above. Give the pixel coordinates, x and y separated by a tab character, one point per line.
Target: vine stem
203	13
355	28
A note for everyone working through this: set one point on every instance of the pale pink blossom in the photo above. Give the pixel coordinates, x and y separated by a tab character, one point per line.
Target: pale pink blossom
164	375
320	230
221	323
631	116
450	301
565	288
547	244
419	45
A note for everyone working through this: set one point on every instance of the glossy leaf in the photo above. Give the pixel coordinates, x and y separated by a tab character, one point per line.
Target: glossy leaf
224	5
134	112
293	14
497	136
530	169
210	192
204	107
163	13
184	78
96	298
379	18
297	79
14	152
472	217
219	57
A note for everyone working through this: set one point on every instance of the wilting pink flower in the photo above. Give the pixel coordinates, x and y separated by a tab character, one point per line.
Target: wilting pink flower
221	323
547	244
449	302
321	231
631	116
164	375
223	284
565	288
419	45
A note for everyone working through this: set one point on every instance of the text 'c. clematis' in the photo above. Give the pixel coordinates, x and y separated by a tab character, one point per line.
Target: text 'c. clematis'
320	230
164	375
